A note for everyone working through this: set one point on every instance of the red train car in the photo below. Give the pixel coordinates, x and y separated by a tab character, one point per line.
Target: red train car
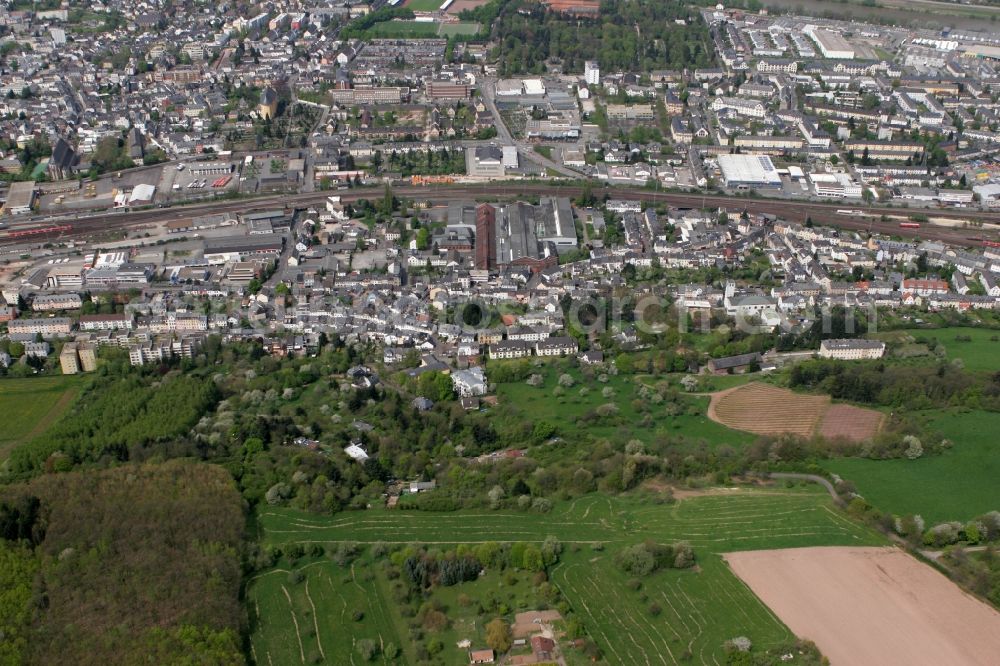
40	231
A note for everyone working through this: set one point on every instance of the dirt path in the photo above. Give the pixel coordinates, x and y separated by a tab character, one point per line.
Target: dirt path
810	477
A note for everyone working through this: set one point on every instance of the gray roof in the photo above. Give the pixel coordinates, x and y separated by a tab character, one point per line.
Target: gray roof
735	361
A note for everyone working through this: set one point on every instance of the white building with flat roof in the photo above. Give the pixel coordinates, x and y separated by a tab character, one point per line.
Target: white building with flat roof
510	157
534	87
831	44
591	73
836	185
746	171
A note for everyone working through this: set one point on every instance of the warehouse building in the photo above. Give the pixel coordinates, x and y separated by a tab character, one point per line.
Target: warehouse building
831	44
748	171
20	198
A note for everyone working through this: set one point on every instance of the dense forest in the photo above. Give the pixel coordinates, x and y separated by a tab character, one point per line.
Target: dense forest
136	564
629	36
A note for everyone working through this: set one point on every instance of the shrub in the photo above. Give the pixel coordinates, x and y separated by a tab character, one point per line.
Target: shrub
541	505
278	493
738	644
635	560
367	648
914	449
942	535
683	556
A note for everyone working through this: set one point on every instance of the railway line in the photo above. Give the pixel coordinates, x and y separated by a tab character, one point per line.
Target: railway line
82	225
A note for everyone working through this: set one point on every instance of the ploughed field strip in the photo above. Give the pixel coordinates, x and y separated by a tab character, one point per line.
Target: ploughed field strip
769	410
699	609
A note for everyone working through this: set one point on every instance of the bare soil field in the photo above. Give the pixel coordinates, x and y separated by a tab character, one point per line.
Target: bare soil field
872	606
769	410
855	424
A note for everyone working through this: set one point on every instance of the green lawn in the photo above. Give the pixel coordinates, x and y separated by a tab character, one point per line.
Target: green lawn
573	413
544	151
957	485
700	608
424	5
982	353
29	406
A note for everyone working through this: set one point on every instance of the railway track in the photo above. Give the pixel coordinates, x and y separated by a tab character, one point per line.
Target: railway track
67	227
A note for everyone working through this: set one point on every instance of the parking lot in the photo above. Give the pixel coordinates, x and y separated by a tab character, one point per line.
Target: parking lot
194	181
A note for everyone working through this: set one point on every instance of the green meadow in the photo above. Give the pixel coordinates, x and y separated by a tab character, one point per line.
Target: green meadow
574	410
29	406
980	352
673	616
959	484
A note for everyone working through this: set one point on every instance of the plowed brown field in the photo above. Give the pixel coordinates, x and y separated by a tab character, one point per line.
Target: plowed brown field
769	410
872	606
852	423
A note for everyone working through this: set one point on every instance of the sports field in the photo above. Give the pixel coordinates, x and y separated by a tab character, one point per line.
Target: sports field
29	406
458	29
697	609
959	484
403	29
424	5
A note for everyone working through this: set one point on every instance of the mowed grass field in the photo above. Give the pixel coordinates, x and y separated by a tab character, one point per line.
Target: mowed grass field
959	484
701	608
518	400
424	5
460	29
29	406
